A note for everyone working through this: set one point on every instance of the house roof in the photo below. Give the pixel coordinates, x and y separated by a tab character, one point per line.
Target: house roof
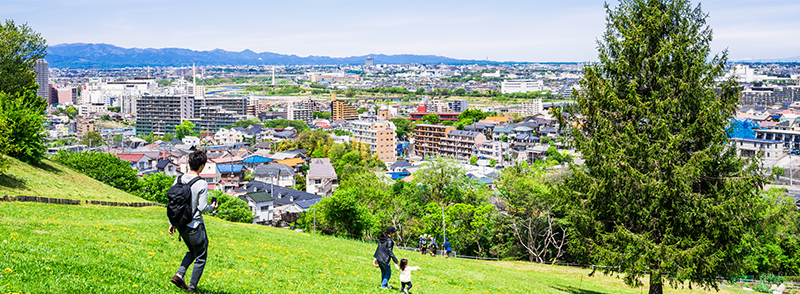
400	164
321	170
262	145
284	134
523	129
131	157
230	168
292	161
257	159
503	129
273	169
284	155
463	133
162	163
282	195
306	204
260	196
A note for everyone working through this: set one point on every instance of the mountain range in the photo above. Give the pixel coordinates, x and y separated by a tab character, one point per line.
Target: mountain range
82	55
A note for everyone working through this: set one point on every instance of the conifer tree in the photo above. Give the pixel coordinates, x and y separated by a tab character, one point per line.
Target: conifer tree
662	192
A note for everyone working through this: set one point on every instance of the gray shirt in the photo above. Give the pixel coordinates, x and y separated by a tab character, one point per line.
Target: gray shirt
199	198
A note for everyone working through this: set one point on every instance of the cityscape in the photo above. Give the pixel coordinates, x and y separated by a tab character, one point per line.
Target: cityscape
656	162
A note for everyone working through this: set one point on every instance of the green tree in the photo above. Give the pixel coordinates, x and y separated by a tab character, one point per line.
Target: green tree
361	110
474	114
473	160
154	187
420	91
299	182
91	139
20	48
661	191
322	115
247	123
492	162
22	120
403	127
184	129
71	111
431	119
350	93
230	208
460	92
345	214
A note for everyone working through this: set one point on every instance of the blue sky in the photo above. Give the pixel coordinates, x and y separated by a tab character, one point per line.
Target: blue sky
530	30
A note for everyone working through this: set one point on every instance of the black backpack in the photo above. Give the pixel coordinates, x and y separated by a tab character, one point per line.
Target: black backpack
179	205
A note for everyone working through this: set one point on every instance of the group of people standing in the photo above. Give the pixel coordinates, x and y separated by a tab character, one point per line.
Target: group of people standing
427	243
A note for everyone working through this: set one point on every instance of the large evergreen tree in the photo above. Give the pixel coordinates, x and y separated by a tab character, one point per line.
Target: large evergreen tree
662	192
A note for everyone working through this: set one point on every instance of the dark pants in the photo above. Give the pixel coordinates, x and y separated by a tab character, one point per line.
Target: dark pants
386	274
403	286
197	242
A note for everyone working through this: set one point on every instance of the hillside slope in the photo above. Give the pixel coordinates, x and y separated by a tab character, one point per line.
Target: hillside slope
47	248
51	179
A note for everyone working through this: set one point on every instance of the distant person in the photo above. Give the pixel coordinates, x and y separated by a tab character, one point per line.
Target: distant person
423	244
383	254
405	275
189	219
447	247
433	247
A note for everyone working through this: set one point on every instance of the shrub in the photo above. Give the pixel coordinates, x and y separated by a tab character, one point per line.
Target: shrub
154	187
761	287
230	208
104	167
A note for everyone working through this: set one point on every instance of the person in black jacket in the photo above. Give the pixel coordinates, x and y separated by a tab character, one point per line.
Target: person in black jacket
383	254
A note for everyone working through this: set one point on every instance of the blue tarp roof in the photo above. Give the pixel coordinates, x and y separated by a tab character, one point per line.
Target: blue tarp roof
399	175
226	168
257	159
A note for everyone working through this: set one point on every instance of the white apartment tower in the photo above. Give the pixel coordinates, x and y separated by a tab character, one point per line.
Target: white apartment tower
521	86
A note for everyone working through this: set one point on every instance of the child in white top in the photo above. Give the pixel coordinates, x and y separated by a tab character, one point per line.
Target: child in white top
405	275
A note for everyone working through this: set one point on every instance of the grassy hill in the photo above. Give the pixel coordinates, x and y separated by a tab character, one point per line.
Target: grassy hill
51	179
48	248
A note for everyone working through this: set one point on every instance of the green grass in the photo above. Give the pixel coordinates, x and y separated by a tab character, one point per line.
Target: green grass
49	248
51	179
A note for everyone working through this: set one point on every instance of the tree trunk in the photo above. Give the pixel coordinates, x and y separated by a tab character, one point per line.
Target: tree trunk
656	285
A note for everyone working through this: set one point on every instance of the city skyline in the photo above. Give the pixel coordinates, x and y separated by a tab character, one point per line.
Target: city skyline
530	31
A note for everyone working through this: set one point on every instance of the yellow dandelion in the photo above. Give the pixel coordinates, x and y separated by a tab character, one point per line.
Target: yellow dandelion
8	270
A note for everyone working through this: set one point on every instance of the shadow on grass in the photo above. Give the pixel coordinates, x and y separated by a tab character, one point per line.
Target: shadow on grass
574	290
11	182
47	167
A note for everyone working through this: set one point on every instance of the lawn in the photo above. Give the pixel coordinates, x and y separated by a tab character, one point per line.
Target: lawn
51	179
48	248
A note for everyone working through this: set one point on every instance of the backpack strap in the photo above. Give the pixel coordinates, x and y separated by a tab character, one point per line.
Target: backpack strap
193	180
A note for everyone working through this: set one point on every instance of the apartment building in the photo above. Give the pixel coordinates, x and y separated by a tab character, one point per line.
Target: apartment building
458	105
341	110
790	139
769	149
461	145
160	114
235	104
492	150
521	86
379	136
528	108
303	114
427	138
214	118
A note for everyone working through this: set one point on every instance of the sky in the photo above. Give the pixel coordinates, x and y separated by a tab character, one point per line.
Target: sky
524	31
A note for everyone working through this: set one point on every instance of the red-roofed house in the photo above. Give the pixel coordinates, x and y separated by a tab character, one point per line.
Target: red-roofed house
138	161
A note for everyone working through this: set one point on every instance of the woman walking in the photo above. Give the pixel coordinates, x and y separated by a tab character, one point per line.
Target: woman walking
383	254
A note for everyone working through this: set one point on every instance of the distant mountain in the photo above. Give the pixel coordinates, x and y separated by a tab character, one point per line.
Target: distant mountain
81	55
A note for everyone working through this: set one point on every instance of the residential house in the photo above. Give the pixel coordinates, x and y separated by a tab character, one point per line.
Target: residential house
138	161
492	150
500	132
275	173
261	203
523	137
321	179
230	175
167	167
229	136
191	140
770	150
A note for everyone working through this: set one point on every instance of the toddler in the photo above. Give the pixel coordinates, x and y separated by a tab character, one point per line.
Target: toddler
405	275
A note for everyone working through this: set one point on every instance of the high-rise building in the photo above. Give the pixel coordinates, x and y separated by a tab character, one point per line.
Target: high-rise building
42	78
53	99
379	136
341	110
461	145
303	114
370	62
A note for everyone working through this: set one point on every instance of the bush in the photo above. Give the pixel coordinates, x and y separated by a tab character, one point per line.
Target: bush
761	287
154	187
230	208
770	278
104	167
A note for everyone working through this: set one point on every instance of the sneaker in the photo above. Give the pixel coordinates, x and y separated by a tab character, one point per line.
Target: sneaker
178	281
192	290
